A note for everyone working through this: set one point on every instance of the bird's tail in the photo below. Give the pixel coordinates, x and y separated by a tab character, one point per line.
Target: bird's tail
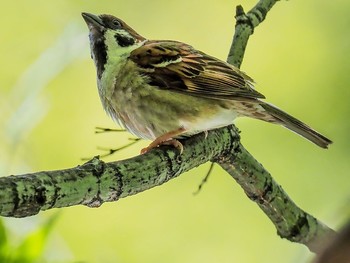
295	125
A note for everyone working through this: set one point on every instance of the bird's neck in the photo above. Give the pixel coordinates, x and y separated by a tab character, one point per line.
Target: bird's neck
115	59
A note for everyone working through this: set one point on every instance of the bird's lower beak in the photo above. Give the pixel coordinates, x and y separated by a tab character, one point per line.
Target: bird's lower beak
93	21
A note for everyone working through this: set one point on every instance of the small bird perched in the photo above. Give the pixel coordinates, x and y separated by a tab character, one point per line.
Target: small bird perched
162	90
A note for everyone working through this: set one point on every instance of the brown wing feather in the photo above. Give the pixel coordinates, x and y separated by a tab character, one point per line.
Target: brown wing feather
176	66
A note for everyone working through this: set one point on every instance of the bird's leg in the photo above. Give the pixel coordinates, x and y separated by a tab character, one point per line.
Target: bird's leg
166	139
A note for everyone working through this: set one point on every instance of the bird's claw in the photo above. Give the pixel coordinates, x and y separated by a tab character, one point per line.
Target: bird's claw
173	142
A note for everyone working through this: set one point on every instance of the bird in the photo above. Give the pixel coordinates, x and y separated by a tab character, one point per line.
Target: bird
165	90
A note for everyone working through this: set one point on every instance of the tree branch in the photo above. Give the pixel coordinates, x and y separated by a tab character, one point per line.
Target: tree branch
245	24
290	221
96	182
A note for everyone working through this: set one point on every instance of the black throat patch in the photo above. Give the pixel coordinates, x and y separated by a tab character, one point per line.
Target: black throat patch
99	50
124	41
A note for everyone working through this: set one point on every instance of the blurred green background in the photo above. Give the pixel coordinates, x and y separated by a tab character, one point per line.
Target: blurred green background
49	108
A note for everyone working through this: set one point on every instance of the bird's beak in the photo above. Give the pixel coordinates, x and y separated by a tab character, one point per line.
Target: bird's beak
93	21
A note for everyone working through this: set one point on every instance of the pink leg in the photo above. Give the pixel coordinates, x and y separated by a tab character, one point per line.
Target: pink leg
166	139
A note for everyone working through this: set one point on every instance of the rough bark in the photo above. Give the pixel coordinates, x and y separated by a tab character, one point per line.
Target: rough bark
96	182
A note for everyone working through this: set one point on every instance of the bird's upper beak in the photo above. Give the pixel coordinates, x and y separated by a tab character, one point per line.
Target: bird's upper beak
93	21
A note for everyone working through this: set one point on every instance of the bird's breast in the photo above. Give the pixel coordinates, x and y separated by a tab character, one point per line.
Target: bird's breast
124	94
148	111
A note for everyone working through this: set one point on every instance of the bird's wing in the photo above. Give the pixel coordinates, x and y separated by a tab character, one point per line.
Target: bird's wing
179	67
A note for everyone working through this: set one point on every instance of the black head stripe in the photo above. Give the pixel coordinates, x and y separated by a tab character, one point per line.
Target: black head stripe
124	41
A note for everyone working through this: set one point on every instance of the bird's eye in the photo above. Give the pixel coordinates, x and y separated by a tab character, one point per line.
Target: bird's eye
116	23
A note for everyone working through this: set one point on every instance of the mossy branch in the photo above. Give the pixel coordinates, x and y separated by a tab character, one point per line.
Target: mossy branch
245	24
96	182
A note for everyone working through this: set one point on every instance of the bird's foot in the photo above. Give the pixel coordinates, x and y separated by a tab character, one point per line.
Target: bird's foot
166	139
172	142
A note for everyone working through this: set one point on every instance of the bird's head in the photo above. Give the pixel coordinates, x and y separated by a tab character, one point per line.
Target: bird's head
109	36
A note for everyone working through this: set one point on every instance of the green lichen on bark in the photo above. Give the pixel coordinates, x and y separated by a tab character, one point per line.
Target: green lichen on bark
96	182
245	25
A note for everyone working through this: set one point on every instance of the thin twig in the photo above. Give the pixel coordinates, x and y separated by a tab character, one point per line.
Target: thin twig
104	130
212	164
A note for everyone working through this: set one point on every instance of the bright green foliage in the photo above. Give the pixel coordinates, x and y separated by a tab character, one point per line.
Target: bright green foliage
30	249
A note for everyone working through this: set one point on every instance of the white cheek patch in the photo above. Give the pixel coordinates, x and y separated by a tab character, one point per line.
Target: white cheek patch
116	59
114	49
